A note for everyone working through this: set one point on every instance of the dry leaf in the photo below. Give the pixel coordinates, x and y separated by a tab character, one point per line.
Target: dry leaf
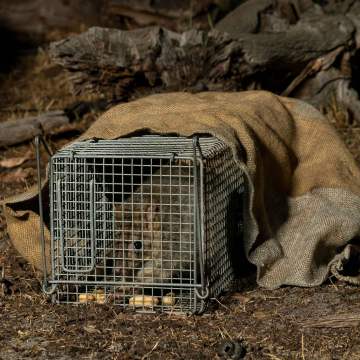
241	298
23	333
15	161
260	315
91	329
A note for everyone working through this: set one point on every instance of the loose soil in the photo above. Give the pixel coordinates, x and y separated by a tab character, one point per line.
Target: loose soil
287	323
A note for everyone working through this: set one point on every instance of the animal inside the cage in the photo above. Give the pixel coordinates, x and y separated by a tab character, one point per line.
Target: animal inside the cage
154	227
147	223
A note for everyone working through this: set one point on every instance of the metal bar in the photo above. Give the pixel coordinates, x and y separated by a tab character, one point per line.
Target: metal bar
126	284
39	139
198	231
42	229
45	284
52	219
122	156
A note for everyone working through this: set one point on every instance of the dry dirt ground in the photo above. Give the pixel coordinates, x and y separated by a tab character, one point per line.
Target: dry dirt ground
288	323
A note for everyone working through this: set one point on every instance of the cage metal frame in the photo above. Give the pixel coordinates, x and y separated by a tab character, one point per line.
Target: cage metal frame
201	290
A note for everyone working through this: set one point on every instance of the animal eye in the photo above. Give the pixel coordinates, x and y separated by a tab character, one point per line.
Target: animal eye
137	245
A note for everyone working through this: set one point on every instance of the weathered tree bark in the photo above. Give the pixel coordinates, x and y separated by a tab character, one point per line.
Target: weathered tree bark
52	123
256	16
112	62
325	81
295	48
17	131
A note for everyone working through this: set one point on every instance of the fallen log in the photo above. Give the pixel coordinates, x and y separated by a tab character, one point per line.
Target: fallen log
17	131
53	123
116	63
295	48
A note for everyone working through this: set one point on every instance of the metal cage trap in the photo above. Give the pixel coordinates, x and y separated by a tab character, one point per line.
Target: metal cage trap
147	223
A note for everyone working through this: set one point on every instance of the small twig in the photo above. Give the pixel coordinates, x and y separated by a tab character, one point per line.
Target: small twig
263	340
221	333
2	278
227	334
210	21
313	67
271	297
227	308
334	321
332	283
153	348
302	347
273	356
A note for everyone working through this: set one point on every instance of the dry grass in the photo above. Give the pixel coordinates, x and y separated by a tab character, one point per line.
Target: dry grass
347	126
34	86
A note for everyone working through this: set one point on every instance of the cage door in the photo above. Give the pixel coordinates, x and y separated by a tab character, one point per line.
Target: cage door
76	218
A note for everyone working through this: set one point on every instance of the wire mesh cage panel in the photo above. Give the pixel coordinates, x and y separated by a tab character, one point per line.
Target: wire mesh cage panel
147	223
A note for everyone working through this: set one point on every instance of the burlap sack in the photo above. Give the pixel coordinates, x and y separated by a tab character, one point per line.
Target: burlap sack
303	184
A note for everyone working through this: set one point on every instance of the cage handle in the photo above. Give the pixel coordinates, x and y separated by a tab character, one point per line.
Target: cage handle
92	231
198	230
45	285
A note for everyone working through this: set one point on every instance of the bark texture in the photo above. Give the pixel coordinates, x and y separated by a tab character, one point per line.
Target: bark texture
295	48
